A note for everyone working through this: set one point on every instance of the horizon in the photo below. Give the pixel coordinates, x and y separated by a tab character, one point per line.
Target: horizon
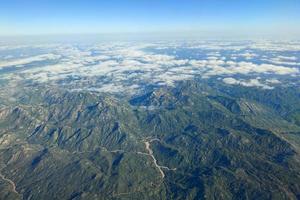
133	37
270	19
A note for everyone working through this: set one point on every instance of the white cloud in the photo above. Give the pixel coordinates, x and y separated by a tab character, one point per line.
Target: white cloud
246	55
24	61
231	81
219	67
287	57
273	81
121	66
282	60
246	83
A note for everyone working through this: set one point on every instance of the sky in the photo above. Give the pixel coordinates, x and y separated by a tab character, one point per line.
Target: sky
189	17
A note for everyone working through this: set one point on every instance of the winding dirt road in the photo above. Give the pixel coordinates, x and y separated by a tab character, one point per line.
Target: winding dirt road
10	182
150	153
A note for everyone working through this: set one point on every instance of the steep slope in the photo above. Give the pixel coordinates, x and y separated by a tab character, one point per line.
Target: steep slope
194	141
220	145
72	120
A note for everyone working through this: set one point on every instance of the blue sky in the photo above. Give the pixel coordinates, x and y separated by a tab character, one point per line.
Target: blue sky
223	17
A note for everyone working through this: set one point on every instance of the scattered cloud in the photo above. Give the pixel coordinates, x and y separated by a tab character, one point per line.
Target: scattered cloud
287	57
283	60
246	83
24	61
130	66
219	67
273	81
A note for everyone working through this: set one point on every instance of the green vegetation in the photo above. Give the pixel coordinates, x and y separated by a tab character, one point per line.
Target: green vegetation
210	142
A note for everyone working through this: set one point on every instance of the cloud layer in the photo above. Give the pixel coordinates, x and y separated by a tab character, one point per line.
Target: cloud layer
114	67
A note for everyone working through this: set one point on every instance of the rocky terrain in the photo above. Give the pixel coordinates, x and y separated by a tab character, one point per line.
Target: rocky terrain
198	140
